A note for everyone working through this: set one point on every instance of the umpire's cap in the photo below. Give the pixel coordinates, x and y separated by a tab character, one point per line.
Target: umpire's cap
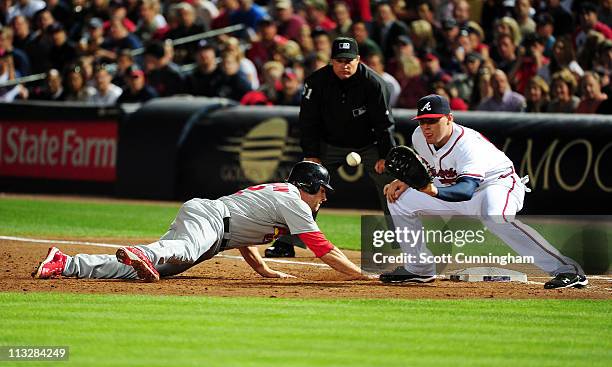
344	48
309	176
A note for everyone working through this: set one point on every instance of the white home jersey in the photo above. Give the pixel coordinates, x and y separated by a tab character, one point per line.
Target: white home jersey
261	213
467	153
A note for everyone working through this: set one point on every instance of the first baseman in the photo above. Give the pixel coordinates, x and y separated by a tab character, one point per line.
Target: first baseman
203	228
471	177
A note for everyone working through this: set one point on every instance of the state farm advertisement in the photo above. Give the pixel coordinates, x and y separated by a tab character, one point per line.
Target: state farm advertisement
82	150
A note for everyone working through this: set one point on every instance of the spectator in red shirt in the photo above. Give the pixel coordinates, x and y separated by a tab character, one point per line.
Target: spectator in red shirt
118	10
360	9
531	59
152	25
289	23
262	50
316	15
591	93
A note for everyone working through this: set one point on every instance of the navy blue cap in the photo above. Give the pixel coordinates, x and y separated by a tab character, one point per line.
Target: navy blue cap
432	106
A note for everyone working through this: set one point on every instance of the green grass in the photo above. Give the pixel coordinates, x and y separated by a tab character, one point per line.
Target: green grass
343	230
26	217
104	330
83	219
117	330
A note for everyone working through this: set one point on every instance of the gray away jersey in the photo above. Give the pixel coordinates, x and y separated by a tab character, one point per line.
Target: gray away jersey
261	213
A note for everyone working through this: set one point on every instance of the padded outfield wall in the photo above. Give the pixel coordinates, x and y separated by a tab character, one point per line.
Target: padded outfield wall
181	147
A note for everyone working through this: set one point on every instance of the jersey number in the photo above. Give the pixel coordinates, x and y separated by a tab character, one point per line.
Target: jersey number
278	186
307	92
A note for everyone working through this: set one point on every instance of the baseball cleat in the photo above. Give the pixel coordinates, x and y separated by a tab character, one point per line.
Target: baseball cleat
567	280
280	249
136	258
401	275
52	266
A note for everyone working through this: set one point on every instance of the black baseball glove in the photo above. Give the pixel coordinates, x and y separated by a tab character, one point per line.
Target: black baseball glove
407	166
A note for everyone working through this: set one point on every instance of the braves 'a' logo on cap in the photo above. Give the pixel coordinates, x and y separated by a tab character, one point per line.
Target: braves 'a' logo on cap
427	107
344	46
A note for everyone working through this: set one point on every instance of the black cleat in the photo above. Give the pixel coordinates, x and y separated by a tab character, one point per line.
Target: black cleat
280	249
567	280
401	275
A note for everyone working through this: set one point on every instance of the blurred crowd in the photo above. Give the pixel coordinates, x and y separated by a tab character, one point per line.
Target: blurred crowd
491	55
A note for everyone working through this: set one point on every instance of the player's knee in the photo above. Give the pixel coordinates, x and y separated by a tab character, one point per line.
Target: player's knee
394	208
398	208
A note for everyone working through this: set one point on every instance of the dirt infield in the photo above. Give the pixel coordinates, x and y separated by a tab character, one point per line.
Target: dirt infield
226	276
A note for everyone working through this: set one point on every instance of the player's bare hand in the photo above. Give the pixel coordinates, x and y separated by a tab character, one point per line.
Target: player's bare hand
313	159
394	189
379	166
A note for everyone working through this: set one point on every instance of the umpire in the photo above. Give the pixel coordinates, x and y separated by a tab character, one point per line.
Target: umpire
344	108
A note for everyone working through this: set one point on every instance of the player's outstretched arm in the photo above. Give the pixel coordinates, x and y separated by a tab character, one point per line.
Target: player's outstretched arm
339	262
253	258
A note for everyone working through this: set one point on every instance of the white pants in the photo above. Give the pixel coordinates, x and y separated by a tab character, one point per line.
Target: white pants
197	227
496	206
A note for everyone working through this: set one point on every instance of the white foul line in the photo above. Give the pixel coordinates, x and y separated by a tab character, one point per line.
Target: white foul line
33	240
23	239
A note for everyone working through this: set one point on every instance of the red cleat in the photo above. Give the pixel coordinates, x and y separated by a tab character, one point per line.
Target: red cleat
52	266
134	257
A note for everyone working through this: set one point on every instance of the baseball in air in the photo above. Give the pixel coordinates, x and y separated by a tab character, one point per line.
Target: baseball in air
353	159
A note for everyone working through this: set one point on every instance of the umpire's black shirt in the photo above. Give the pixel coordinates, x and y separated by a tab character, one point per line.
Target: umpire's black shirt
350	113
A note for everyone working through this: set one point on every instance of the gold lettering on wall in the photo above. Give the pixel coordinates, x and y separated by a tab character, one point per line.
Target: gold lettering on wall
596	169
587	166
543	163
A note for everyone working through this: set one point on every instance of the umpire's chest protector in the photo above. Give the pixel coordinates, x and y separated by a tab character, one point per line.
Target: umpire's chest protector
346	104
